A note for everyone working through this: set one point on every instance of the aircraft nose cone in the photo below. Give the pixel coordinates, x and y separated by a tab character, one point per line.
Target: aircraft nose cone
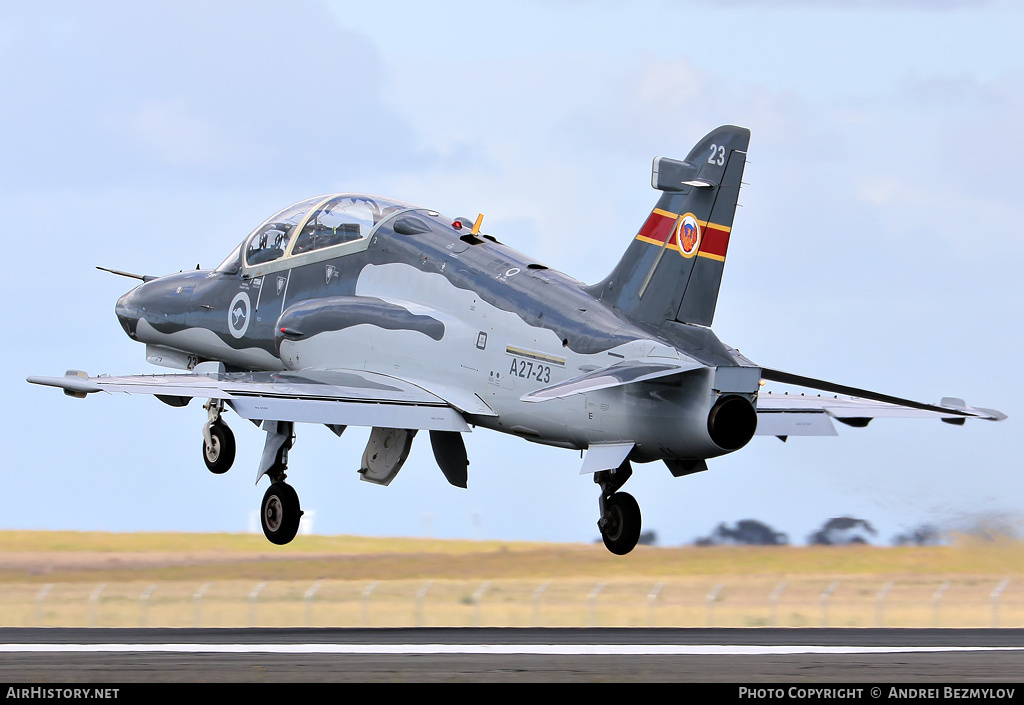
127	311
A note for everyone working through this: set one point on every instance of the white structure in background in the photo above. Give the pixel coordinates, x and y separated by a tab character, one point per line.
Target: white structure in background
306	522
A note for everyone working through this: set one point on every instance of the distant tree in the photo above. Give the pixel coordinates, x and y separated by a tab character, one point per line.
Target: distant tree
991	527
747	532
842	531
923	535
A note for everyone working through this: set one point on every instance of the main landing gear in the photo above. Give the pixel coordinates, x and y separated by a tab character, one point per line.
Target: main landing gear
620	514
280	511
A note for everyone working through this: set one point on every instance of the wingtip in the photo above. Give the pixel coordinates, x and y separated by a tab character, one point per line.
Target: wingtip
71	384
993	415
962	406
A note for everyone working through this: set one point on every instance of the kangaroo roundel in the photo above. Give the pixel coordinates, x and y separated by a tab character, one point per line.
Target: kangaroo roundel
238	315
688	235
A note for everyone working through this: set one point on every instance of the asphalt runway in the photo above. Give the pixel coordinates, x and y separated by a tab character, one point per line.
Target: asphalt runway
55	655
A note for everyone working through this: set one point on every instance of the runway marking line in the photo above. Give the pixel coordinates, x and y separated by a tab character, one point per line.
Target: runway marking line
495	649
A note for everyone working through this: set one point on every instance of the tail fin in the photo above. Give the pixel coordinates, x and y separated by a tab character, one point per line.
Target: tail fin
673	268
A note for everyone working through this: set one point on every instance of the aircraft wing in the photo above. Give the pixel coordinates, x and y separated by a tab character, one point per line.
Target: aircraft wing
811	415
342	397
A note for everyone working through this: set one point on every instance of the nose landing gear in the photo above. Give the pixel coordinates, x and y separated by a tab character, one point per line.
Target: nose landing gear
218	440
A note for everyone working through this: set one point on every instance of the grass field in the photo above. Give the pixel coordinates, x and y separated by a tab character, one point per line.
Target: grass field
102	579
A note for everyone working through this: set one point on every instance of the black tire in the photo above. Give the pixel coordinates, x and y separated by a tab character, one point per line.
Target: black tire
280	513
221	455
622	530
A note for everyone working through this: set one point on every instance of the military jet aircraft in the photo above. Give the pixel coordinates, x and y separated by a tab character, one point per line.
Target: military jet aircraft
355	310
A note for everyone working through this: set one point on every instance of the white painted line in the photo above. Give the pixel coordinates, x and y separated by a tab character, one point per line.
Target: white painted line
496	649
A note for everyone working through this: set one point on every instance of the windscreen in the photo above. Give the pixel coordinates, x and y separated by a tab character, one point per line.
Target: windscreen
269	240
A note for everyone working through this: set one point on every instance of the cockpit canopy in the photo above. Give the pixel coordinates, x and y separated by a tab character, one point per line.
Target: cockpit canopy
311	225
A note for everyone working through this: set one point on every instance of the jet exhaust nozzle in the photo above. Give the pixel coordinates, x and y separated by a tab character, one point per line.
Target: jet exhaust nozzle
732	422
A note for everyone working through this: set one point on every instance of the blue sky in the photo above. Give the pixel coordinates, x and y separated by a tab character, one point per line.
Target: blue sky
878	243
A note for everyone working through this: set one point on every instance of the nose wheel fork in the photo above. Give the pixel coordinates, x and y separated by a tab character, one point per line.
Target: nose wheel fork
620	520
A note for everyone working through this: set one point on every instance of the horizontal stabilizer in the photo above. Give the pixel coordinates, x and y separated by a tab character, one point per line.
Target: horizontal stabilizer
865	404
625	372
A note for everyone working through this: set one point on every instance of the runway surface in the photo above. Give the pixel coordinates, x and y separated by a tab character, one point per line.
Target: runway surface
511	655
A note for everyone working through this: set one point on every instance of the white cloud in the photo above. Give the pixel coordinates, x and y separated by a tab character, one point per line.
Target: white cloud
261	92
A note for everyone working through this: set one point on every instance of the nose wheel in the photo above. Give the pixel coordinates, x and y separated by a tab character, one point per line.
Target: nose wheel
218	440
219	451
280	513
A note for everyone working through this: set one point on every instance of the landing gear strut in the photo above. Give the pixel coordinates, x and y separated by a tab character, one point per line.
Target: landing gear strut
620	514
218	440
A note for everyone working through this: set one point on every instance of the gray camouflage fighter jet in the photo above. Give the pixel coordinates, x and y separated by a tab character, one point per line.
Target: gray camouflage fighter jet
354	310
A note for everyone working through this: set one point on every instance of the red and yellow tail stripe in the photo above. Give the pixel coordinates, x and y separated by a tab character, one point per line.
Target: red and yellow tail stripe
661	226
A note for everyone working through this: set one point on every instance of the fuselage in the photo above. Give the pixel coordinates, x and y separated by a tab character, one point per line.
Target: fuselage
401	291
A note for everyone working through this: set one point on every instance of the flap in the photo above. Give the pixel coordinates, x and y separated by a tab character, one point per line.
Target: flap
863	403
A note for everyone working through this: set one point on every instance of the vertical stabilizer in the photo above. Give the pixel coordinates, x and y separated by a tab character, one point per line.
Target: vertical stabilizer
672	270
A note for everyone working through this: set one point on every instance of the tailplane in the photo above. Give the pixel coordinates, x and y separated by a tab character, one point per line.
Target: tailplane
672	270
